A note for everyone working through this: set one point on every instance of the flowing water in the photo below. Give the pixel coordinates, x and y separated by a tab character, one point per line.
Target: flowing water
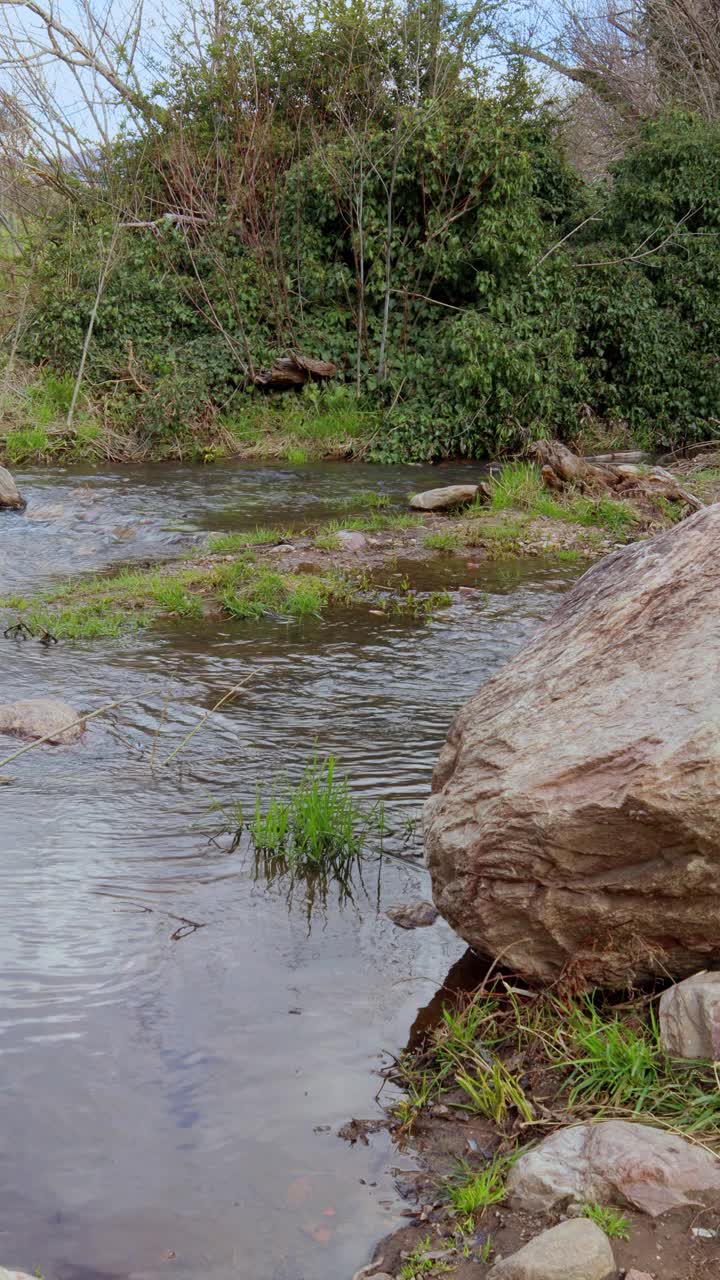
170	1094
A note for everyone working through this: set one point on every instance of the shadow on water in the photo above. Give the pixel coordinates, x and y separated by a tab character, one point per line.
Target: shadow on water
177	1048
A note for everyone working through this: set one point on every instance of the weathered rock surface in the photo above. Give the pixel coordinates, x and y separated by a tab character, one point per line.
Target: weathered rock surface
690	1017
351	540
38	717
9	495
615	1162
576	1250
452	495
576	810
413	915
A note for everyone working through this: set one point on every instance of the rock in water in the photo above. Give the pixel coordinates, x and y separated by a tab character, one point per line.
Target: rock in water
690	1017
9	496
575	819
453	495
615	1162
38	717
576	1250
413	915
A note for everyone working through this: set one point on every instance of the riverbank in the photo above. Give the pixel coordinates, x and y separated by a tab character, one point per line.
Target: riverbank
494	1067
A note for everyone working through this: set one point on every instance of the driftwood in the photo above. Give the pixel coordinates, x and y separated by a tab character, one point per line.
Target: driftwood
294	371
561	468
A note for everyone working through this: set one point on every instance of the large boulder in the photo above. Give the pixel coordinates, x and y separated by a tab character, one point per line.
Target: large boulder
615	1162
575	820
9	495
41	718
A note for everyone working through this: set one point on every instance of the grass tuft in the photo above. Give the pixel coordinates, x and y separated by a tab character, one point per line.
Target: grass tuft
316	821
615	1225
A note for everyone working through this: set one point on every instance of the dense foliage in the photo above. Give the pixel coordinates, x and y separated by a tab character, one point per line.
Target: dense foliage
350	186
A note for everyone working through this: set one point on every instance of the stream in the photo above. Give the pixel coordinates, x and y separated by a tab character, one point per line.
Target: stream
170	1094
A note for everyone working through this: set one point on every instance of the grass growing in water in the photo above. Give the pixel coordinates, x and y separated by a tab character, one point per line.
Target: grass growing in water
317	821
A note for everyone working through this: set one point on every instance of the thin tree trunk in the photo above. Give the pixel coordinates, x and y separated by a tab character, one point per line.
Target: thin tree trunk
361	281
91	325
382	370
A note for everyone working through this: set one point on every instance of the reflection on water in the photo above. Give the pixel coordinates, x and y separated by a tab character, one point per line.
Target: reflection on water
177	1048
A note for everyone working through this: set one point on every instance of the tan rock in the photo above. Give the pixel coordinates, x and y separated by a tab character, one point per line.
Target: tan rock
615	1162
417	914
575	818
690	1017
452	495
634	1274
9	496
40	717
576	1250
351	540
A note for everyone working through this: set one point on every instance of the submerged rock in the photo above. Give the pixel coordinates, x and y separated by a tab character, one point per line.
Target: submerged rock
615	1162
576	1250
40	717
453	495
690	1017
576	810
9	495
413	915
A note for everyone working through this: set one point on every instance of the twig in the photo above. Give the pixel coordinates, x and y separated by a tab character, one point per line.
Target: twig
553	247
48	737
201	722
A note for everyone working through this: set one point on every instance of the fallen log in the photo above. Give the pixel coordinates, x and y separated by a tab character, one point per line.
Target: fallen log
294	371
560	468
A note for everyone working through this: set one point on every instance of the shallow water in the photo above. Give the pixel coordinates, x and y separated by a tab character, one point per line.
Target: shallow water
170	1095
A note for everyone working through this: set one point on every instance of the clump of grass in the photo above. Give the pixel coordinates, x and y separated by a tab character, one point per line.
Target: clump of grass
327	541
420	1263
258	537
442	541
519	486
26	443
317	821
495	1092
612	1062
479	1188
614	1224
297	455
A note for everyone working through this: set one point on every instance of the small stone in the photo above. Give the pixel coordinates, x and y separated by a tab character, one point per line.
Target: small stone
576	1250
634	1274
452	495
703	1233
350	540
413	915
690	1017
10	1274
